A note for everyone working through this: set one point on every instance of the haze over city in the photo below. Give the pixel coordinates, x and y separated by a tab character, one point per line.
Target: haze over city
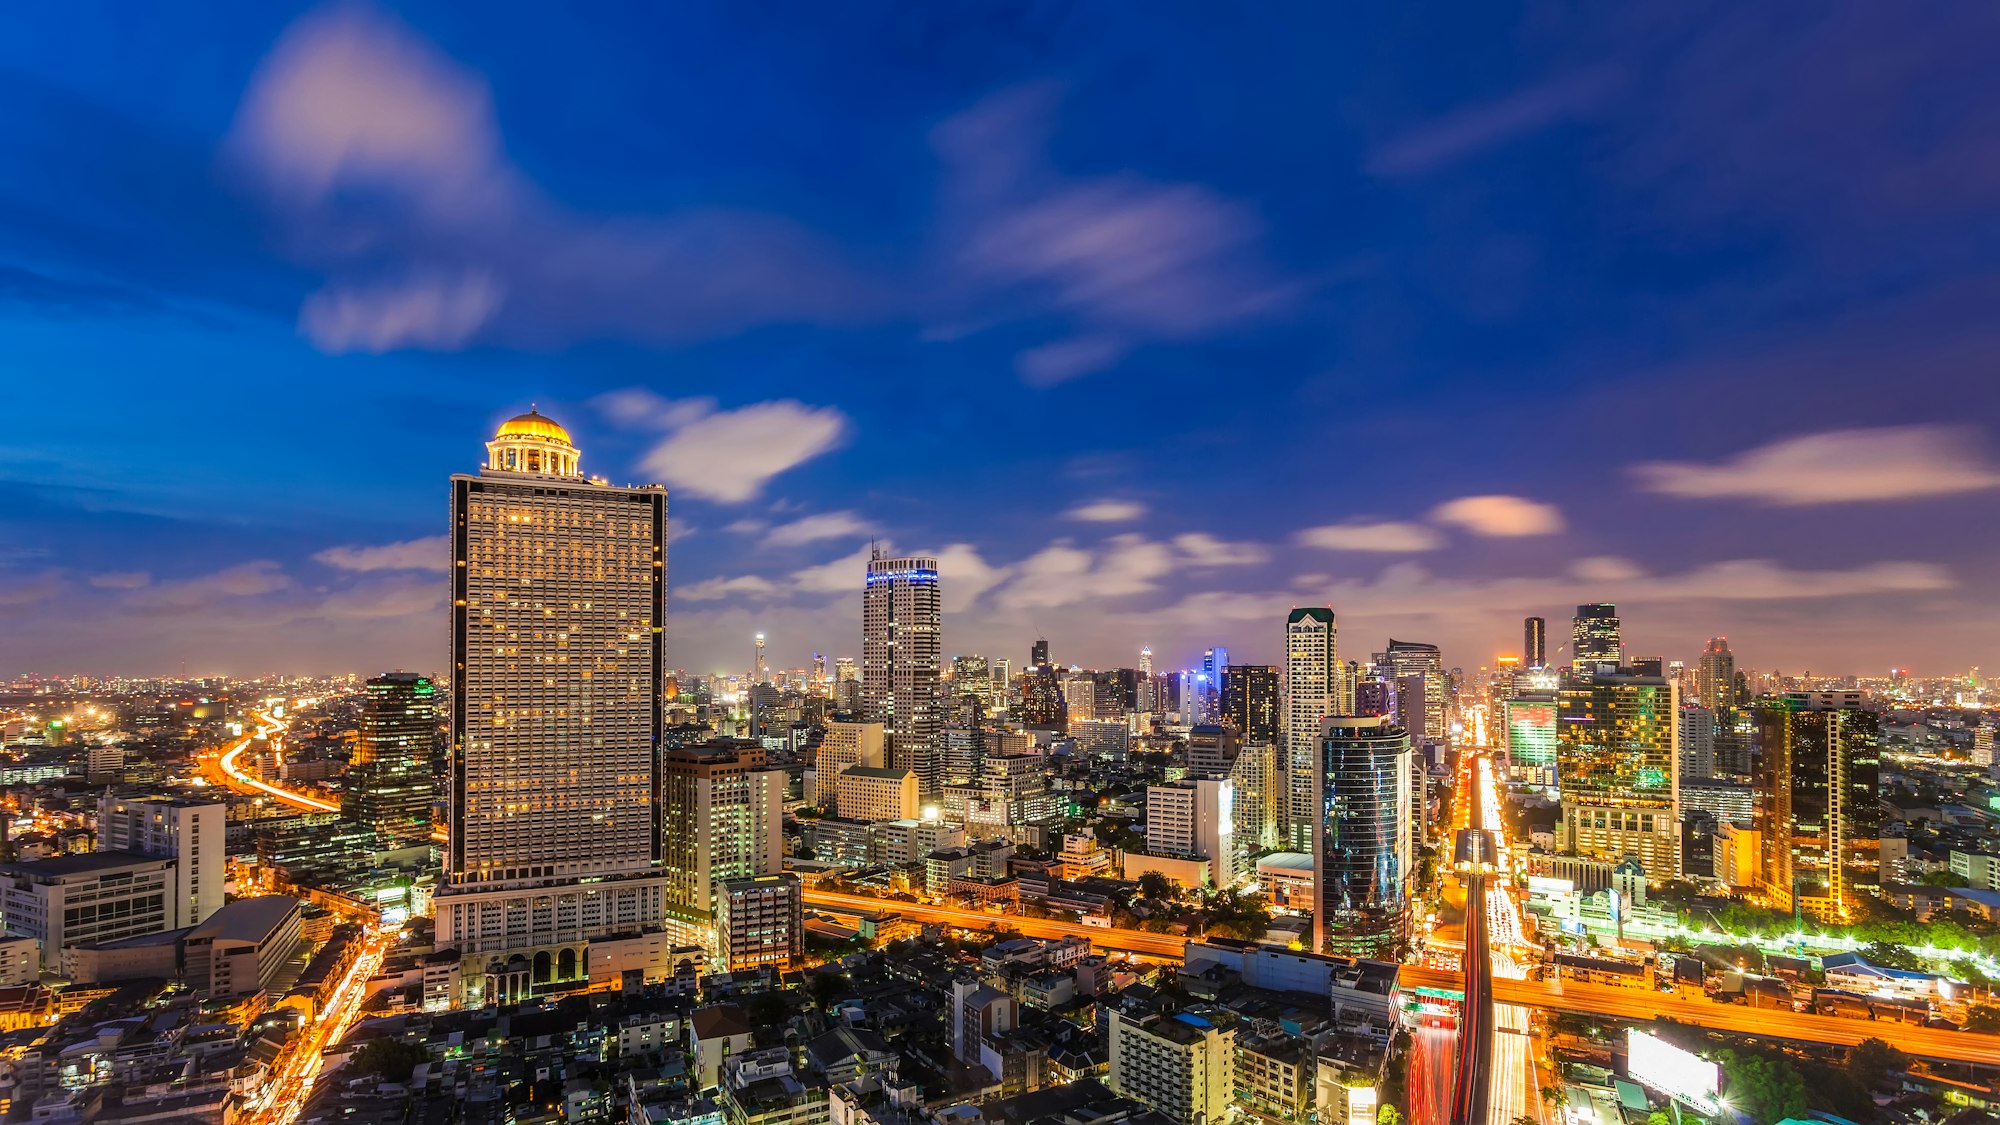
1146	329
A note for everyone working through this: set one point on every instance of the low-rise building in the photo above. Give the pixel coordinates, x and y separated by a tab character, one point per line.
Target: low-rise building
1182	1065
760	921
83	899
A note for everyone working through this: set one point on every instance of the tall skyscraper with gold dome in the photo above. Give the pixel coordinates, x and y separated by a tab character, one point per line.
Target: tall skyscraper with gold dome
558	635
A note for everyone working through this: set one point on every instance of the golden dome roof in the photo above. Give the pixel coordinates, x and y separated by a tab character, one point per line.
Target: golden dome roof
533	424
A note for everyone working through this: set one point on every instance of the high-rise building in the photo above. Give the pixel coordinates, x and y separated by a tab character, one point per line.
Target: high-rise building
1362	851
844	745
558	629
1250	700
759	673
1697	742
189	832
1414	659
1038	653
1259	785
760	921
1212	749
874	793
1312	690
724	817
1617	744
1715	676
1818	800
902	625
1535	643
1594	637
1531	738
1042	700
389	777
1195	820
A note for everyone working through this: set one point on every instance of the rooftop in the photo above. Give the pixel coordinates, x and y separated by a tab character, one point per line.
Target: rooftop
81	863
247	919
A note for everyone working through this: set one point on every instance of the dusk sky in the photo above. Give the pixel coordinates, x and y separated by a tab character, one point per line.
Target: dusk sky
1150	320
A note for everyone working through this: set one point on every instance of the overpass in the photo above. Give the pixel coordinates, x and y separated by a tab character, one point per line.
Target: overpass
1616	1002
1168	946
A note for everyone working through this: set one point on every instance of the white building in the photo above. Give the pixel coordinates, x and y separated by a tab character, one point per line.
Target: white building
88	898
1181	1065
723	817
902	626
1195	820
186	831
1315	686
558	619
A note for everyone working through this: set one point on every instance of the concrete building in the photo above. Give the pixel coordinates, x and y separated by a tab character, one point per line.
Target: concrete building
1181	1065
240	949
1363	849
558	612
1288	878
88	898
1315	686
1195	820
1617	765
188	832
389	778
902	625
760	921
20	961
1818	800
844	745
723	819
877	793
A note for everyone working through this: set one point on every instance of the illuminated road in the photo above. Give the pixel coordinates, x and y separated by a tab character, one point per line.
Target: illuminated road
237	778
1771	1023
1125	941
1514	1092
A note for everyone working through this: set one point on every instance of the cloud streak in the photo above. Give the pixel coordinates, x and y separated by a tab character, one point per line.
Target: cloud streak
729	455
429	553
1839	466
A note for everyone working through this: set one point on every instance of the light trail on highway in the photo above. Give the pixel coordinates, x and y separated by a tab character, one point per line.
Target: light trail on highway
1108	938
241	779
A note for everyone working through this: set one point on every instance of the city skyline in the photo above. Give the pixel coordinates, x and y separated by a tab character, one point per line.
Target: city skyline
1562	359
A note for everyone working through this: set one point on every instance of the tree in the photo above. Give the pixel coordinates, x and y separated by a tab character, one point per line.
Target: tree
768	1008
1769	1090
1388	1115
1945	879
1892	956
1154	885
392	1060
1983	1018
1873	1061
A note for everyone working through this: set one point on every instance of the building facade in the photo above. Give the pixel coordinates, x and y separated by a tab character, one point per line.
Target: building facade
760	921
1250	700
844	745
724	820
1617	769
1363	851
1195	820
1594	637
1315	686
1181	1065
902	626
558	633
389	778
192	833
1818	798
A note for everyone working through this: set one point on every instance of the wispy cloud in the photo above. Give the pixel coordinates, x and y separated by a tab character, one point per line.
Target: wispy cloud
1886	463
1123	260
1388	537
206	592
1504	517
812	529
726	455
122	580
1106	511
384	159
1201	549
429	553
1479	128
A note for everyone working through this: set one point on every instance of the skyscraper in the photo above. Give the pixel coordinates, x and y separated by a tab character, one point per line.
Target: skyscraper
760	674
1362	847
1715	676
1250	700
389	777
1312	691
724	819
1818	799
1038	653
1535	643
1617	745
1594	637
1422	662
558	630
902	626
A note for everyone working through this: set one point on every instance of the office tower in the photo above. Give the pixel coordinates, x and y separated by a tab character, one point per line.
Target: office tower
758	672
1146	663
819	669
724	814
1531	738
1594	637
1362	850
1312	691
1212	749
558	615
1182	1066
1818	790
1079	693
389	777
1982	744
1374	697
1250	700
1042	700
844	745
1697	742
760	921
189	832
1000	673
1715	676
1535	643
1260	800
1617	741
1414	660
874	793
970	675
1038	653
902	622
1195	820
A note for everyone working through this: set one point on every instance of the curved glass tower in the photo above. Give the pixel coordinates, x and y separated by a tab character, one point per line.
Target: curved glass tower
1362	850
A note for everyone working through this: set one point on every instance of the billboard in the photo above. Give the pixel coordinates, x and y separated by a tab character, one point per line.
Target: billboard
1687	1077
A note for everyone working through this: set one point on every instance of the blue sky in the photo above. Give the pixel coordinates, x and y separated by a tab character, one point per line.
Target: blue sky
1150	322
